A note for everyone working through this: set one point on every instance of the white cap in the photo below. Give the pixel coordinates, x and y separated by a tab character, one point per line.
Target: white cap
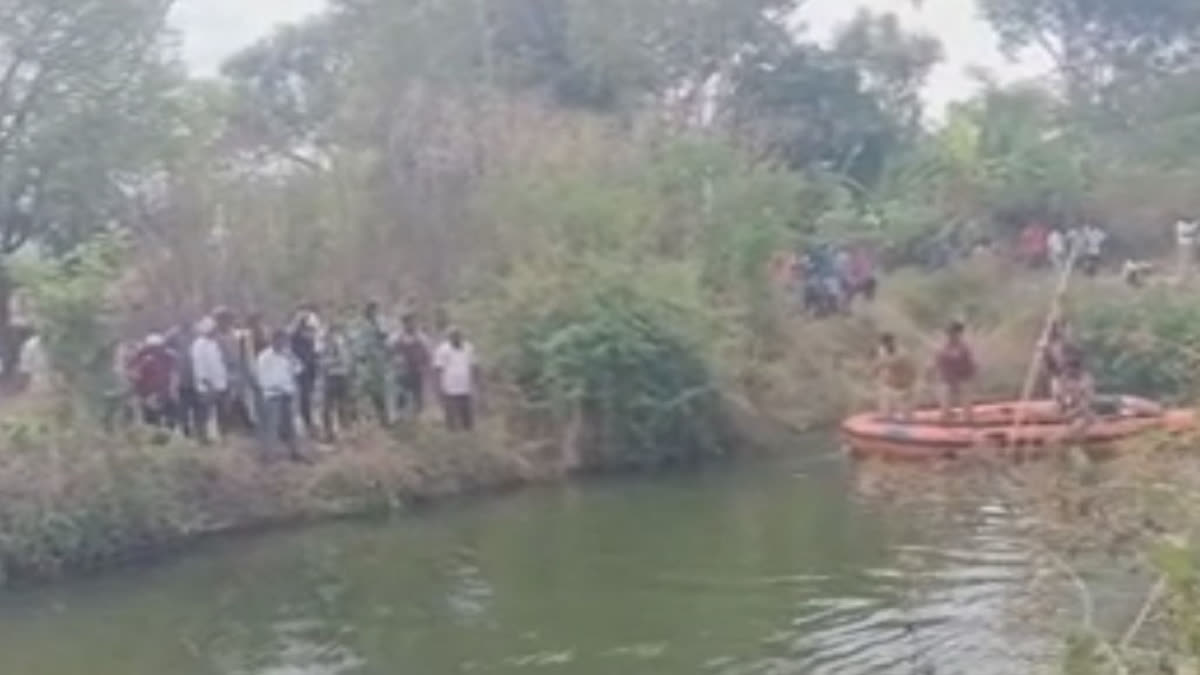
155	340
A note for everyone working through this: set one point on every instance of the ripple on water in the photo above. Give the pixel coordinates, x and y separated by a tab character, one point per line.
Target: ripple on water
939	612
302	646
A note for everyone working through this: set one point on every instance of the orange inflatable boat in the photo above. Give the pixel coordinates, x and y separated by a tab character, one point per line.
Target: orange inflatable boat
1028	429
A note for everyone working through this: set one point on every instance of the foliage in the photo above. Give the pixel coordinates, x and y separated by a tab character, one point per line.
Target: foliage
83	92
1148	346
847	108
617	359
75	314
1097	45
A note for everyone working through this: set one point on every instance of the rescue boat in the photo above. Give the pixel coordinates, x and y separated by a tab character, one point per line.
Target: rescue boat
1027	430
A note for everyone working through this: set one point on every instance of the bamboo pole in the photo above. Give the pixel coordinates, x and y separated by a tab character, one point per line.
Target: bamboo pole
1035	365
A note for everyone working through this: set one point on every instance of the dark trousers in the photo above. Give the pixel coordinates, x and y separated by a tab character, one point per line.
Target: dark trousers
336	405
411	392
278	426
307	384
378	400
233	413
161	413
459	411
206	407
188	409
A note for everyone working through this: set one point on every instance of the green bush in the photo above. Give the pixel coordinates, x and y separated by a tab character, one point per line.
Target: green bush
76	315
1147	345
608	358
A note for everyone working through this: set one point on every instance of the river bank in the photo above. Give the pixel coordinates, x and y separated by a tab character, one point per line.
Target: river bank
75	500
781	561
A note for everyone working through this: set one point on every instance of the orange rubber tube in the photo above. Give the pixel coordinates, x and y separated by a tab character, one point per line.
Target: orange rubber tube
993	433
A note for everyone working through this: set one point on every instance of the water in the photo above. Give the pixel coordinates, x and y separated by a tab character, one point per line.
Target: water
772	569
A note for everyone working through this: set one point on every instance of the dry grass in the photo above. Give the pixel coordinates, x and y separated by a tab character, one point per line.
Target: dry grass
822	370
74	499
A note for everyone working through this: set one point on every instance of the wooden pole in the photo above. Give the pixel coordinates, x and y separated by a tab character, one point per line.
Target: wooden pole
1035	366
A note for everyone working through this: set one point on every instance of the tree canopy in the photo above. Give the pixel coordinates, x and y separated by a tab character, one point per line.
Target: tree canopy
81	85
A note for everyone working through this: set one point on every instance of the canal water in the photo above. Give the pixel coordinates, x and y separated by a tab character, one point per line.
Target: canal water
788	567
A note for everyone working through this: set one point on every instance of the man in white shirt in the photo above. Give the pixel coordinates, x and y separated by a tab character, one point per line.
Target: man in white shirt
1187	232
276	371
210	373
456	372
1094	239
1056	246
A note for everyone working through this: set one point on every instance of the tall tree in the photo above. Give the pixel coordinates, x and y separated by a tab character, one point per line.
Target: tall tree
289	88
844	108
1095	44
80	88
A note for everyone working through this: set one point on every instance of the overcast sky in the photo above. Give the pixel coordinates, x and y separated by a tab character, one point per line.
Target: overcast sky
214	29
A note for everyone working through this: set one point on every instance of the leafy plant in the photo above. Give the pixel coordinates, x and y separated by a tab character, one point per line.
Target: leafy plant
641	390
1150	346
75	315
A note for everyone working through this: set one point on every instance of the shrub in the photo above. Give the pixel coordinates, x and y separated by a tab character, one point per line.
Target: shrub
611	360
1147	345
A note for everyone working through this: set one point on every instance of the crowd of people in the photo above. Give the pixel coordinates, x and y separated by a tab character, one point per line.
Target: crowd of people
1043	246
311	376
828	279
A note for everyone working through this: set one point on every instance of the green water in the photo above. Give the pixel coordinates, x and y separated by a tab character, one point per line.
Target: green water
770	569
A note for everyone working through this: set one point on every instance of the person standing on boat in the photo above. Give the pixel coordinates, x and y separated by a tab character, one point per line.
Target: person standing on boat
1056	350
895	379
1075	391
956	369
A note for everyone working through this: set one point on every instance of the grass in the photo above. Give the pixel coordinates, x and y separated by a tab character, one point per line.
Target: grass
74	499
822	372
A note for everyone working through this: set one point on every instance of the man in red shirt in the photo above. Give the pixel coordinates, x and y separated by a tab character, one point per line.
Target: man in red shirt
1035	245
956	369
152	372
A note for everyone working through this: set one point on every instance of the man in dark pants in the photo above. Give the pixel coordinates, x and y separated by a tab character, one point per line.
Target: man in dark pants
371	362
337	373
304	349
412	352
187	400
456	372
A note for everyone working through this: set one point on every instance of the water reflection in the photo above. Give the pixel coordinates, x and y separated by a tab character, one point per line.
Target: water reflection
764	570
